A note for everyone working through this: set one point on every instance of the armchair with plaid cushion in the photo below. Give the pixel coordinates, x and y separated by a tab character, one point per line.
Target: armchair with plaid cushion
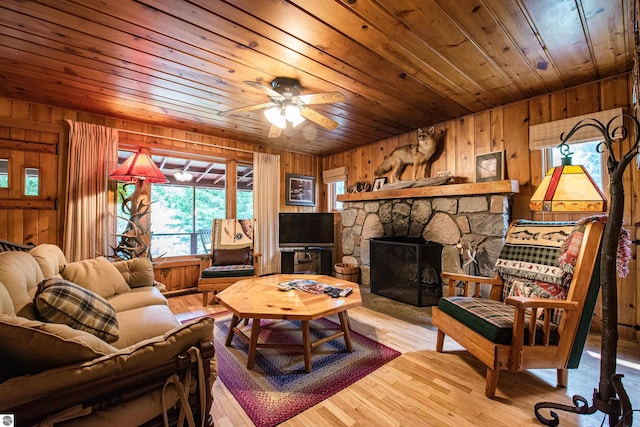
540	304
232	257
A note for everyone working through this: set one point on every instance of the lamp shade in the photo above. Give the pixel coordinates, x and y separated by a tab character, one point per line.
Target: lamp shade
568	188
138	166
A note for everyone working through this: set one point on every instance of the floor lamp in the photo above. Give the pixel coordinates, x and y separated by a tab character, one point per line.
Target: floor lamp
138	169
610	397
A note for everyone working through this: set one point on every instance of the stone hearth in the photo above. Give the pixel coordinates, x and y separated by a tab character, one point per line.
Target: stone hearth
458	223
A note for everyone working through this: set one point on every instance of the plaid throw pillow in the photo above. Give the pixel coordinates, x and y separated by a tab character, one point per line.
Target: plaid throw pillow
60	301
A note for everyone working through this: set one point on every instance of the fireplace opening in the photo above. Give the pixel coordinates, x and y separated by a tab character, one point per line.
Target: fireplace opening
406	269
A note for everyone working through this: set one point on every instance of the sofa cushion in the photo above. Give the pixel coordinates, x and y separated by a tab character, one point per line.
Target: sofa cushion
60	301
50	258
33	346
136	298
6	307
20	275
96	274
143	323
137	271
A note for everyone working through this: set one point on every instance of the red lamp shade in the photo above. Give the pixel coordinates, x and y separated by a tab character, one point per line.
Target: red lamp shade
138	166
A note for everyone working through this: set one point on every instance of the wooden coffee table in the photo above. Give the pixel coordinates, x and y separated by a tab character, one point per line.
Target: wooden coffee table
259	298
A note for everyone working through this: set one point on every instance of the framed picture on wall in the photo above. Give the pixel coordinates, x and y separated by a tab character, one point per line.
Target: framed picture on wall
490	166
301	190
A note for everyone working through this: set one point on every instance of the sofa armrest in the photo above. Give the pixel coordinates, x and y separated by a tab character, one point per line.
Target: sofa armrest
110	380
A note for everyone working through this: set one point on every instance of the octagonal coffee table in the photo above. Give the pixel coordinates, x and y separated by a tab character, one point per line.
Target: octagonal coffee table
259	298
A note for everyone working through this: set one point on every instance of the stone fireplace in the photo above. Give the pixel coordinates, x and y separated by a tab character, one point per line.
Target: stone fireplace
469	220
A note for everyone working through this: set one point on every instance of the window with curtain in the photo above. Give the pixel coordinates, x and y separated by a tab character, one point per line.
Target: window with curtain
335	179
182	210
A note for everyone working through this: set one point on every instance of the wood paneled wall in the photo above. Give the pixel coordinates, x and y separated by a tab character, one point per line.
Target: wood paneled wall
36	135
507	128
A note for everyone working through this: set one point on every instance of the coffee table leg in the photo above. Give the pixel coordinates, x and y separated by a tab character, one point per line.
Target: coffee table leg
234	322
253	344
306	343
344	322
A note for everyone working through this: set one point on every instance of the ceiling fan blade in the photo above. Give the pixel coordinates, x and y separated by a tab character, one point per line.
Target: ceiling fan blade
318	118
322	98
249	108
274	131
266	89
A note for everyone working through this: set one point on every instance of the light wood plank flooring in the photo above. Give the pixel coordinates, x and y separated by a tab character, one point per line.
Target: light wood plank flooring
425	388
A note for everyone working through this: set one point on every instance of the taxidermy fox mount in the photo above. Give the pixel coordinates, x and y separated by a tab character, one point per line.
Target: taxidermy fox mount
417	155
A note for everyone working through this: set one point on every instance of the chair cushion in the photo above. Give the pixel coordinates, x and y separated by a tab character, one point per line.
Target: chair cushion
490	318
60	301
228	271
231	256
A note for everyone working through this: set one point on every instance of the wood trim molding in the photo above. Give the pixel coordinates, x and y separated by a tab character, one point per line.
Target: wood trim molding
39	147
508	186
44	204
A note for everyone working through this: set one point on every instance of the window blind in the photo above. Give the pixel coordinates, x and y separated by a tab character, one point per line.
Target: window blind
547	135
335	175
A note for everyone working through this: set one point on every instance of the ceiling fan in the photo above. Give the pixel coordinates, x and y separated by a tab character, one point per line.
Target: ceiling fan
287	105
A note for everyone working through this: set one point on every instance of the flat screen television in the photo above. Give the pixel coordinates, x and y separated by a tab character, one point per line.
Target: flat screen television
305	229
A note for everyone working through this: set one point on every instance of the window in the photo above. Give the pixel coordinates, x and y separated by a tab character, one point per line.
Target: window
31	181
584	153
4	173
187	204
335	188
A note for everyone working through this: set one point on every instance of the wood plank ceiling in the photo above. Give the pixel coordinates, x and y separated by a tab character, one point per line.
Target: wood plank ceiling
402	64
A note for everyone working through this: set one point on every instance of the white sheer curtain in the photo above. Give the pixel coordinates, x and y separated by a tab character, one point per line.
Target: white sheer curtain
266	205
93	150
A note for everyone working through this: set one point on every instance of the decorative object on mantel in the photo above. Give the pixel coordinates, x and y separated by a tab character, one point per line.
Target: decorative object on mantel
442	178
610	397
417	155
138	169
359	187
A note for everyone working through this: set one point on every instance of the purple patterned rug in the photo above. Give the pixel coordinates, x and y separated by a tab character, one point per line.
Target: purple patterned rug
278	387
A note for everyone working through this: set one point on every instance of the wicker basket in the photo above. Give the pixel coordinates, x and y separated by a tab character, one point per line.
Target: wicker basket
347	272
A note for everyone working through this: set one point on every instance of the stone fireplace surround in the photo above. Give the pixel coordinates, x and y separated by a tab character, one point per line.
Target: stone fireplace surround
459	216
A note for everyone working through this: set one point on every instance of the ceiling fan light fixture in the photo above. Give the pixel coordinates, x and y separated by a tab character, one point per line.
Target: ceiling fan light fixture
275	117
292	113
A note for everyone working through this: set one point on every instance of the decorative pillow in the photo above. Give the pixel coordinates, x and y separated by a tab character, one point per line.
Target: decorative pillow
231	256
31	346
97	275
60	301
137	272
232	233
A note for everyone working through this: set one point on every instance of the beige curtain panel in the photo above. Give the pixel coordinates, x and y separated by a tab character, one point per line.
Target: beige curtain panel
547	135
93	150
266	205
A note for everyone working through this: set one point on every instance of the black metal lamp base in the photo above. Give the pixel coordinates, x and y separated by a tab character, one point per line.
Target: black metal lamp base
614	407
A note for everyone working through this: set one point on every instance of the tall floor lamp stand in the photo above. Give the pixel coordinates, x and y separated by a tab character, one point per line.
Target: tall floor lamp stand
610	397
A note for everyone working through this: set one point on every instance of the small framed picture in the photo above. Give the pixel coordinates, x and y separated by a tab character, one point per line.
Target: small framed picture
378	183
490	166
301	190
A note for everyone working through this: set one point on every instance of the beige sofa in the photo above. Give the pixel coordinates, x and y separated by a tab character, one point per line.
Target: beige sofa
96	344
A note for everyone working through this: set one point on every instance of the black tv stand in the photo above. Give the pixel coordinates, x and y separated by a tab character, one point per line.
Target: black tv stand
316	260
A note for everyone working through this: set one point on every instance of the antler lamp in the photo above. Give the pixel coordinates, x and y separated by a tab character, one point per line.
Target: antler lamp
137	169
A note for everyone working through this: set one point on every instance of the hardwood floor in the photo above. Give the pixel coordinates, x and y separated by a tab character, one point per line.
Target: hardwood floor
425	388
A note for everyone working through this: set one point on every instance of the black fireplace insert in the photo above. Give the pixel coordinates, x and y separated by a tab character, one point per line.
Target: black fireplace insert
406	269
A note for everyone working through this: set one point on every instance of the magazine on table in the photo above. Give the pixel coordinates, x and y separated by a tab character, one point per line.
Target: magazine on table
306	285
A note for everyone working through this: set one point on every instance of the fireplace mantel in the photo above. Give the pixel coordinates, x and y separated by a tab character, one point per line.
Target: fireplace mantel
508	186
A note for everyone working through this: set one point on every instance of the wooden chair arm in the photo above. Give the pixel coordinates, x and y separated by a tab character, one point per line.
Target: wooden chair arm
495	283
518	332
527	302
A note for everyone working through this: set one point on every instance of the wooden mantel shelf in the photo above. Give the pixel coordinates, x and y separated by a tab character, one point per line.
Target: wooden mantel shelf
466	189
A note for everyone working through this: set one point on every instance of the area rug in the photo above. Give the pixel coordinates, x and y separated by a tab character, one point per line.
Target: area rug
278	388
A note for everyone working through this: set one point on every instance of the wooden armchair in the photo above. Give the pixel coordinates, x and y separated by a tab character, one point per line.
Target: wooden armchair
232	256
538	311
